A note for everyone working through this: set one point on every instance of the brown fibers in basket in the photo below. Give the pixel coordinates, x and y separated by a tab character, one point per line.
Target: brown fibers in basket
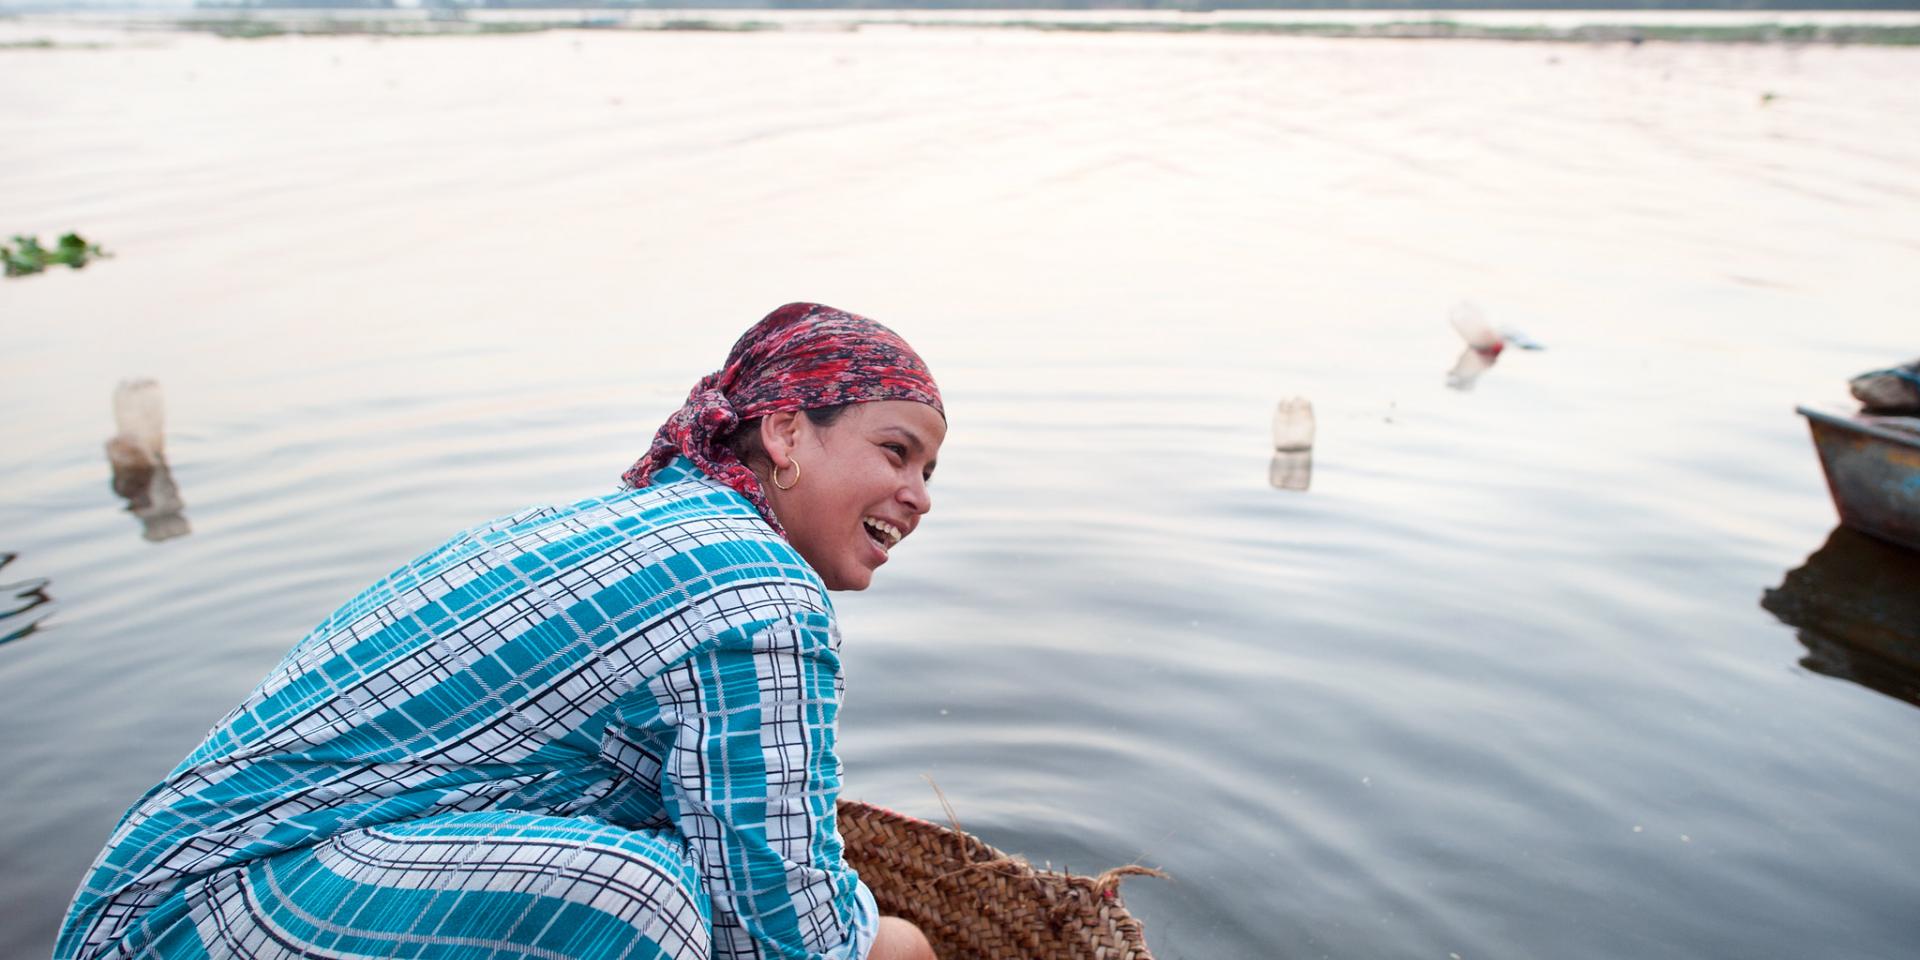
976	903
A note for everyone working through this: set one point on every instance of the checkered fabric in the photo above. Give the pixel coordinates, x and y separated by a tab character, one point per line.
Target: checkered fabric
602	730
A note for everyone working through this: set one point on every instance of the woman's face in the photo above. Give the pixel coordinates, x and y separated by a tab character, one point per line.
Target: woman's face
862	486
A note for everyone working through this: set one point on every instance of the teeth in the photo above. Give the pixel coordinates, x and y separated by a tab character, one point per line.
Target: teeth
889	533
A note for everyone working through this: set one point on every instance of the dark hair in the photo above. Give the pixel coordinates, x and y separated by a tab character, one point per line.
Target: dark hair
744	439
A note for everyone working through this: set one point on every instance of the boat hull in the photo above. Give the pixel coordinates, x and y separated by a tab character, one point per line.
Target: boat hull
1873	472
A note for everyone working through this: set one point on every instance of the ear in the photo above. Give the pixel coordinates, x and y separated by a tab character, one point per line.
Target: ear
780	435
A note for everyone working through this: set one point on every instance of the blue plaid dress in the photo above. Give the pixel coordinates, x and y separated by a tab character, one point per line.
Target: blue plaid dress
603	730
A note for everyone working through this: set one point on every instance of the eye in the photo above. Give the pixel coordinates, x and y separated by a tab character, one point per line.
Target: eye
898	451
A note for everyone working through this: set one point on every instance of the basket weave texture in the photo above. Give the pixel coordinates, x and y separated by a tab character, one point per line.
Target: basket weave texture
975	903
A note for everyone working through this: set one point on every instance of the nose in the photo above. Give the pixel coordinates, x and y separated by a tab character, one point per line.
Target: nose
915	496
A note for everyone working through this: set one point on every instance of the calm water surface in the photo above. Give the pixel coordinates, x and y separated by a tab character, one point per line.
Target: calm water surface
1498	684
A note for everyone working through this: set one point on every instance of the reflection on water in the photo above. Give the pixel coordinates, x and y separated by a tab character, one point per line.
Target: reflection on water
1856	602
137	453
151	494
19	603
1467	370
1293	433
1291	470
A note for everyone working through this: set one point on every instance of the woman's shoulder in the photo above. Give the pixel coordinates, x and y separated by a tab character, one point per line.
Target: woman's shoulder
707	531
683	497
694	526
679	495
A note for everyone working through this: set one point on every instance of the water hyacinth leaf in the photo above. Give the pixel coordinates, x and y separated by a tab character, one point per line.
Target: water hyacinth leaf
25	255
73	251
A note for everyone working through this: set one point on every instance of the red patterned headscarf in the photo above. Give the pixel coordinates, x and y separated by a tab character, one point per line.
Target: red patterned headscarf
802	356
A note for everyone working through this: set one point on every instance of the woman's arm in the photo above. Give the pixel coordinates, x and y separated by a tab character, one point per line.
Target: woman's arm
751	780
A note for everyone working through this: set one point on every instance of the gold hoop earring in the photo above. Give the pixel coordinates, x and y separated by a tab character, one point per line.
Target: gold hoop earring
789	484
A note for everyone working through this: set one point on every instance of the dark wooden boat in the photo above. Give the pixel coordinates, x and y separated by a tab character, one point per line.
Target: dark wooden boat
1873	471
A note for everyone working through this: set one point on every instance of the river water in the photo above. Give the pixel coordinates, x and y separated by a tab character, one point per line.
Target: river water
1495	684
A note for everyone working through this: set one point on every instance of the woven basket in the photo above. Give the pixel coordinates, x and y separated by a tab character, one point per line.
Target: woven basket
976	903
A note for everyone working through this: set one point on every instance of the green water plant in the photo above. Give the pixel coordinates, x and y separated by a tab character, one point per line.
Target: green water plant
25	255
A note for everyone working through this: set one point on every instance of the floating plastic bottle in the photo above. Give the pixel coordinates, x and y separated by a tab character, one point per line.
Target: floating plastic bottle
1483	336
139	419
1473	327
1484	344
1293	424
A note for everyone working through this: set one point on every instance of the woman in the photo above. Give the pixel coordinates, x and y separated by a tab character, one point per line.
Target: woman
603	730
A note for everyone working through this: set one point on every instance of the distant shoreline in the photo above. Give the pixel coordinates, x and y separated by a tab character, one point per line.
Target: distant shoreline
1440	28
1618	27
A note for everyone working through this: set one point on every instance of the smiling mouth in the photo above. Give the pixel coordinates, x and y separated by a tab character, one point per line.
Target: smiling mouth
881	532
